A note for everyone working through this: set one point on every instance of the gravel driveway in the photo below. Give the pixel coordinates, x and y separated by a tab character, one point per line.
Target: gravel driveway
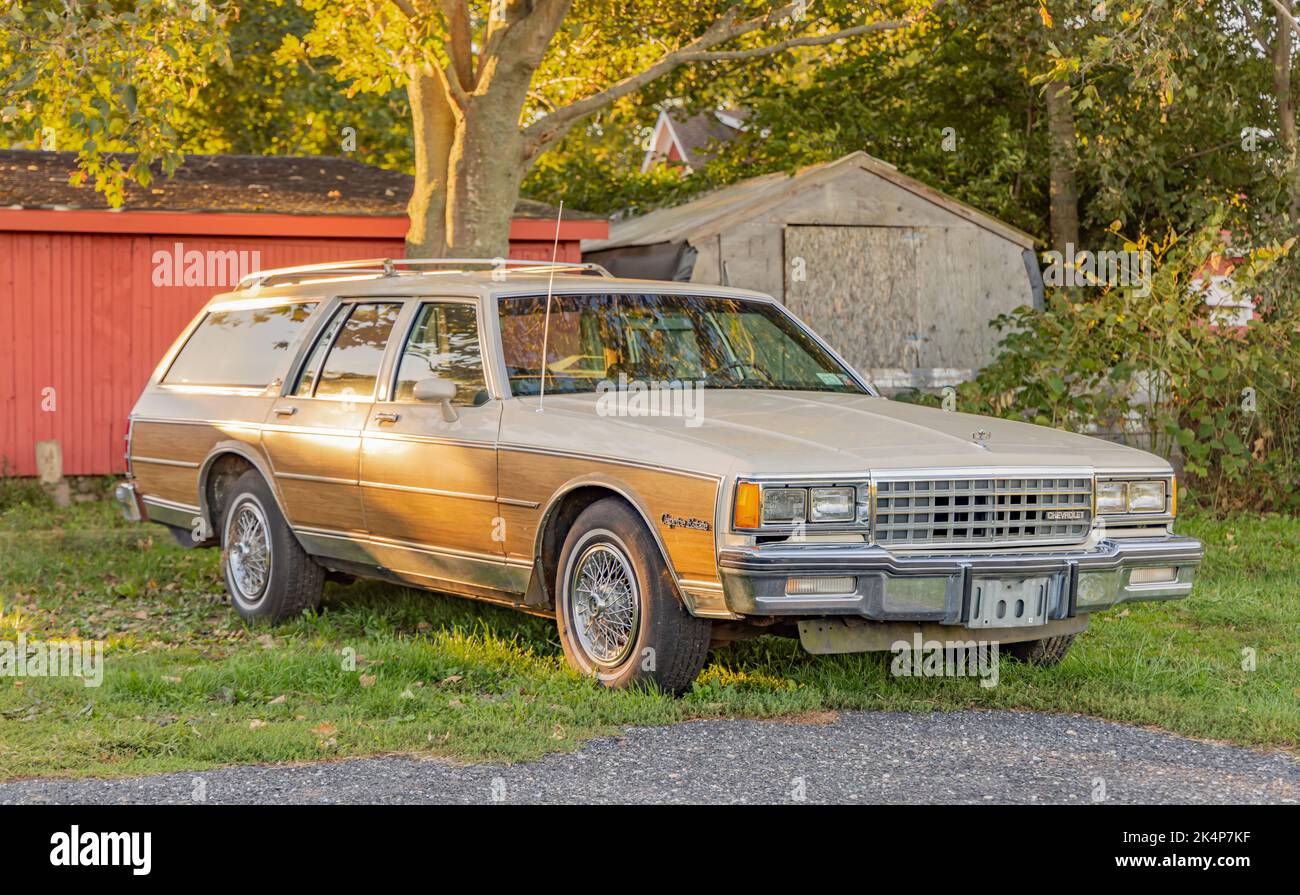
867	757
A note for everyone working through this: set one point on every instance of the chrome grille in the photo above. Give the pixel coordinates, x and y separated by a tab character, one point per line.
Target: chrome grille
975	511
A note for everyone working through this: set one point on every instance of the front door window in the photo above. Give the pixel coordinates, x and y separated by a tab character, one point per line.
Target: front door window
444	345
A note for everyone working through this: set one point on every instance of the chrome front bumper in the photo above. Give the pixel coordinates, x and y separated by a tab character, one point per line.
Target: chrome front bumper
885	586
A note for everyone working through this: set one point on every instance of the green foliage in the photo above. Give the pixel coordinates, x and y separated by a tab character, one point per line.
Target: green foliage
24	493
948	104
892	94
1163	370
1162	96
599	170
101	76
274	99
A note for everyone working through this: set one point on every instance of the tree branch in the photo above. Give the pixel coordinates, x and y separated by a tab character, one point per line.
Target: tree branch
812	40
407	9
1284	15
516	42
451	84
496	29
1195	155
1253	27
453	79
728	27
459	41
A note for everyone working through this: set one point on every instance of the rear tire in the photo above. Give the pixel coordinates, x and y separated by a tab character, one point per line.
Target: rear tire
269	576
1047	652
619	617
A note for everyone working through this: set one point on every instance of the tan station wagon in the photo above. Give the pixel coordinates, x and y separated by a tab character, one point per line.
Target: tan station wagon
659	466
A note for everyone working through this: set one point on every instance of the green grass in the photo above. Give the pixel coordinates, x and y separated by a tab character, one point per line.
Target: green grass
188	685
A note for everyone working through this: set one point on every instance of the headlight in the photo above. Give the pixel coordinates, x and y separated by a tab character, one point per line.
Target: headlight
832	504
784	506
780	506
1144	497
1112	497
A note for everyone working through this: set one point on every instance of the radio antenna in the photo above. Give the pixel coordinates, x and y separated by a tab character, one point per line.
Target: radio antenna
546	327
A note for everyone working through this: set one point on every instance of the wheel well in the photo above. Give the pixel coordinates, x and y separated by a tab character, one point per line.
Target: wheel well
222	474
561	519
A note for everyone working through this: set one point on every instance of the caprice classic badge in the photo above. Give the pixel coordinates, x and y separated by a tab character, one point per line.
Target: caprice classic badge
398	420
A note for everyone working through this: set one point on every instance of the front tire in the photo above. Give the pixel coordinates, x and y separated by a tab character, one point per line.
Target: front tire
269	576
1046	652
617	610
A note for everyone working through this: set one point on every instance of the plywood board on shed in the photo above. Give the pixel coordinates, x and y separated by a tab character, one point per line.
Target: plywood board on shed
857	287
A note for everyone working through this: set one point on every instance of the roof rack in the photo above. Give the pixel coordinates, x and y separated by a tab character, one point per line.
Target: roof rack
392	267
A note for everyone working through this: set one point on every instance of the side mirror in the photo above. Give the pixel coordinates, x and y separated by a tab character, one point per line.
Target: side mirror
441	391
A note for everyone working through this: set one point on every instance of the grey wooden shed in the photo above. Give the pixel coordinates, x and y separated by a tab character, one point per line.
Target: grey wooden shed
899	278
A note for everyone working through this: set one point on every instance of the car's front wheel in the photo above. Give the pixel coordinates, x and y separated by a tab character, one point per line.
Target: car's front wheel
268	574
618	614
1048	651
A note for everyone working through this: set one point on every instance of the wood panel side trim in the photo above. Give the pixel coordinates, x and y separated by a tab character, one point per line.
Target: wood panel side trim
603	458
661	496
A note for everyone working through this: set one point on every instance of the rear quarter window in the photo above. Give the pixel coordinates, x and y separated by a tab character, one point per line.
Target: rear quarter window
240	348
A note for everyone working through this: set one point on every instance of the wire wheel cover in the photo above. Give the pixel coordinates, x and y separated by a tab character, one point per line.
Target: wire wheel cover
605	604
249	552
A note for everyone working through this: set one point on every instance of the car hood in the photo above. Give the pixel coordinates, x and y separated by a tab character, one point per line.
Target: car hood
759	431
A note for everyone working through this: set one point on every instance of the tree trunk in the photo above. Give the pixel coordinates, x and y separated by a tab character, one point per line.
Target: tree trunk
467	172
485	170
1064	160
433	127
469	147
1286	108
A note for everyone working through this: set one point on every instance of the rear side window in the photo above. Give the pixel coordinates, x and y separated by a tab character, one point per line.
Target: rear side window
311	369
239	348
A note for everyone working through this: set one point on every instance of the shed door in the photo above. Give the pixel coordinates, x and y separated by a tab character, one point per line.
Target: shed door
858	290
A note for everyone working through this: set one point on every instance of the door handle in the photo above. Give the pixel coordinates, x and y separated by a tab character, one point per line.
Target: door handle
388	417
285	411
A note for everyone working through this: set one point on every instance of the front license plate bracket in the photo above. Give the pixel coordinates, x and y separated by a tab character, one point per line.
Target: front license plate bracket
1012	602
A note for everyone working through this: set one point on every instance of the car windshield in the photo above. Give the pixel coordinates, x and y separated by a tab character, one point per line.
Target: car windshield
724	343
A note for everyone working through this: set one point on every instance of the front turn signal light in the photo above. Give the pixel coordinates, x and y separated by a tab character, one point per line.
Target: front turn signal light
747	507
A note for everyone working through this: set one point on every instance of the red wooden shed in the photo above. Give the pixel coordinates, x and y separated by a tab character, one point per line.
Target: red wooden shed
91	297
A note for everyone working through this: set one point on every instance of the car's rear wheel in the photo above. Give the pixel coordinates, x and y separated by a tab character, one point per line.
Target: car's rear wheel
1048	651
268	574
617	610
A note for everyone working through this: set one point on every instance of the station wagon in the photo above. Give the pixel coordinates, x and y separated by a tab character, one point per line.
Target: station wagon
657	466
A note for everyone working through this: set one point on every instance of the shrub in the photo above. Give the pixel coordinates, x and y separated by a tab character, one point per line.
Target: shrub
22	492
1158	368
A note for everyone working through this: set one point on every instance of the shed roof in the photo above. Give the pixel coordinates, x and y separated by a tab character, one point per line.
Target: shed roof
720	209
304	185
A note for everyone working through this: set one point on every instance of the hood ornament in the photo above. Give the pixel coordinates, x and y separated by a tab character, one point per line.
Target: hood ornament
981	438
